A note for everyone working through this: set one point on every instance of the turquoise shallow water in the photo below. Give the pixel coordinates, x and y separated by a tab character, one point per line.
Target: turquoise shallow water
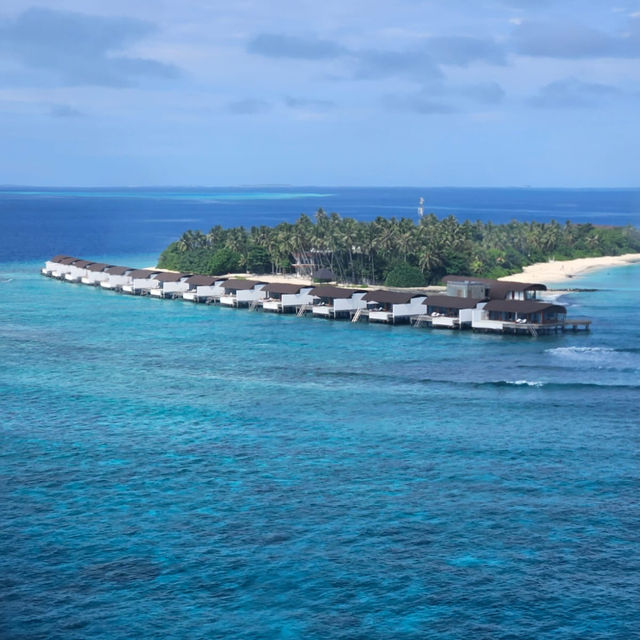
177	470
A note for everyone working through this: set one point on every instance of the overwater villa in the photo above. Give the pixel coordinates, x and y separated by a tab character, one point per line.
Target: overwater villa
336	302
393	306
203	288
141	281
65	265
471	287
239	293
507	306
282	297
116	278
480	304
77	270
95	273
55	267
519	316
171	284
448	312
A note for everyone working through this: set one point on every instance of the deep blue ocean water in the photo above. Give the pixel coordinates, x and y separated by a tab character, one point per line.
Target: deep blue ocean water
170	470
41	223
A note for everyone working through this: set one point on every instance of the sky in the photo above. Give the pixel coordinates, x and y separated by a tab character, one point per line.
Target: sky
539	93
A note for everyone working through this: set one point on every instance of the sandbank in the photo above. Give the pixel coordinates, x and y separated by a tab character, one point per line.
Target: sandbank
563	270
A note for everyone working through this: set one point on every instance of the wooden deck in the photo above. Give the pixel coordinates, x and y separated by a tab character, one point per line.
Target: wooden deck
536	329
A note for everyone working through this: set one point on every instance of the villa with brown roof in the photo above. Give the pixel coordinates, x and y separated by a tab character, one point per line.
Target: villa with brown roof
284	297
448	312
336	302
393	306
203	288
141	281
55	266
116	278
238	292
171	284
472	287
77	270
95	273
481	304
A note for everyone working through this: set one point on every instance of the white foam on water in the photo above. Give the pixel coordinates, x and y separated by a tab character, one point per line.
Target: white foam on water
596	357
528	383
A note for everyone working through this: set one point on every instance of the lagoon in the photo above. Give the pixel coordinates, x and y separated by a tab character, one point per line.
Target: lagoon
177	470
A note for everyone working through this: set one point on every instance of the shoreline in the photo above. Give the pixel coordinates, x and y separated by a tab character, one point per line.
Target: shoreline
289	278
552	272
564	270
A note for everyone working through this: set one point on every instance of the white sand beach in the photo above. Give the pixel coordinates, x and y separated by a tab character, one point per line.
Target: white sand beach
563	270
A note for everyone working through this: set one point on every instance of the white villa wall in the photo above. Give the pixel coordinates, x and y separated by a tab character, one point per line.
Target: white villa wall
94	277
72	276
216	290
75	273
480	320
295	299
466	315
495	325
379	316
145	283
443	321
171	287
271	305
322	310
56	266
251	294
350	304
412	308
115	281
209	291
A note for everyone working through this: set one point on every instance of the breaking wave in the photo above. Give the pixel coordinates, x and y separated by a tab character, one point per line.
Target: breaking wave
598	357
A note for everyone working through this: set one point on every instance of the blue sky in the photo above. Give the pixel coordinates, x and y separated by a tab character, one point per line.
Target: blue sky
339	92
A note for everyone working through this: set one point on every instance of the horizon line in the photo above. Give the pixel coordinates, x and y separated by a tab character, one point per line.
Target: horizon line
305	186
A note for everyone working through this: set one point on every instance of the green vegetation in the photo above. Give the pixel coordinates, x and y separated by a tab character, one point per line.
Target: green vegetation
225	260
398	252
405	275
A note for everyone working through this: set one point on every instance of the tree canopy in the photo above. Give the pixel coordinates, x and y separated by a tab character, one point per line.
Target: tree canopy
370	252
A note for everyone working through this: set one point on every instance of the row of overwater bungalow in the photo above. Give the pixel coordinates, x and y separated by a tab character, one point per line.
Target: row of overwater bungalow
467	303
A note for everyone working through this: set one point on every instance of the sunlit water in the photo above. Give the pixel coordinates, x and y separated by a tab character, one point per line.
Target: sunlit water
171	470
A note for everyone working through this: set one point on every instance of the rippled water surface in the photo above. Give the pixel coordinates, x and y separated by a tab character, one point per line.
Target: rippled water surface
170	470
176	470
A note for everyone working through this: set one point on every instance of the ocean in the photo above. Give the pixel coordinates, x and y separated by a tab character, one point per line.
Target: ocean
171	470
